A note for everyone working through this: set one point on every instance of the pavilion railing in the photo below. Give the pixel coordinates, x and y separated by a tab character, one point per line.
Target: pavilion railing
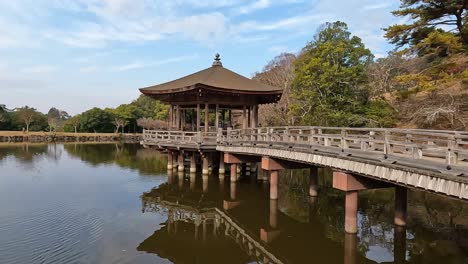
450	147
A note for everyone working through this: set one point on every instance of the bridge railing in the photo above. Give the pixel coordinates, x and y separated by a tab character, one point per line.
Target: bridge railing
437	145
157	137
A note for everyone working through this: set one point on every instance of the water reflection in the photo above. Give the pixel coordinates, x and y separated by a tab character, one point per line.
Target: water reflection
87	208
294	229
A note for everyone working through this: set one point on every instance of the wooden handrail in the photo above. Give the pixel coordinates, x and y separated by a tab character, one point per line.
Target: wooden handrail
450	147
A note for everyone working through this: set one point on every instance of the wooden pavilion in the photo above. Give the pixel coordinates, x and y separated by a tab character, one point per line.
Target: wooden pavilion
216	91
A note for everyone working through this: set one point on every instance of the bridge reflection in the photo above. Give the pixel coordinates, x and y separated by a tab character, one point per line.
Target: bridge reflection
213	221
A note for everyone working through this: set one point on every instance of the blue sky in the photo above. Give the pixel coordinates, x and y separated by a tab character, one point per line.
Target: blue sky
77	54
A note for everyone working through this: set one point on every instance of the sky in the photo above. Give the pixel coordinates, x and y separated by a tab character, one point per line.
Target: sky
78	54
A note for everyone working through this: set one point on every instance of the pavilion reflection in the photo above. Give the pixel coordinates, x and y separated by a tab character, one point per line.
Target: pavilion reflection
213	221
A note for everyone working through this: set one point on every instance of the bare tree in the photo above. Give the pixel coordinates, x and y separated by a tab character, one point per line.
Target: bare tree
26	114
279	72
149	123
53	123
119	123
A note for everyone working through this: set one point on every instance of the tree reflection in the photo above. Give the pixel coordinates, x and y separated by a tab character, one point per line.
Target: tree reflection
132	156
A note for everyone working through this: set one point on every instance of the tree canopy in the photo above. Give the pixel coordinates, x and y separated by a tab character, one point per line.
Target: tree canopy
429	16
330	77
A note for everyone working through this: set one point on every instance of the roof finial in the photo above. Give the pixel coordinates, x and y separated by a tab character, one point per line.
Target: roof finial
217	60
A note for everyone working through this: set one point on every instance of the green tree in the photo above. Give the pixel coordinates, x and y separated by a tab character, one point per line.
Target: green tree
426	16
329	78
151	108
72	124
96	120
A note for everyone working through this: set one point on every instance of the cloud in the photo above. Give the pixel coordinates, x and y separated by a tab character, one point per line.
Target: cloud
254	6
39	69
138	65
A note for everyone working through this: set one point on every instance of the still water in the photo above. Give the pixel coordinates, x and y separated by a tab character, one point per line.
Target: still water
113	203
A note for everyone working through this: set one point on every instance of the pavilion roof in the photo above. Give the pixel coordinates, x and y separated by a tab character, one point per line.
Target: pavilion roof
215	77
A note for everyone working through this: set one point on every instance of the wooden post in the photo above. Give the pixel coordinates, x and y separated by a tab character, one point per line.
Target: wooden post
192	126
178	117
169	161
205	170
233	172
249	119
351	204
400	205
244	117
207	112
181	162
217	117
222	170
198	117
274	185
313	179
193	165
171	117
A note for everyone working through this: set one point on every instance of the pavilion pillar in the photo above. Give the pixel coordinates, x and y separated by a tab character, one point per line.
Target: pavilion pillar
192	126
171	117
207	112
217	117
222	169
401	194
274	185
181	162
178	117
313	180
255	116
244	117
198	117
193	164
230	118
182	122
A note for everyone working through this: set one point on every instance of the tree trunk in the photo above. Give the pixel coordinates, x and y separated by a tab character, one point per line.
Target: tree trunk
463	34
75	129
27	127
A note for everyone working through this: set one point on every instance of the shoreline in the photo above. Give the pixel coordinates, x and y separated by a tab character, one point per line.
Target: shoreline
19	136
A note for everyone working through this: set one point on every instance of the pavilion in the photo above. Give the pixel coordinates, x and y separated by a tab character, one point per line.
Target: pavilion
216	91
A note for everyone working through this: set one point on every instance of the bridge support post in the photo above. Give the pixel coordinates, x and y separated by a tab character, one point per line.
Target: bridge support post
313	181
222	169
169	160
181	162
401	194
351	204
193	164
205	170
174	160
233	172
274	185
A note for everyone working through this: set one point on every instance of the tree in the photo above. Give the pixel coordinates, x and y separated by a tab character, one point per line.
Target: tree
96	120
151	108
279	72
72	124
26	114
427	16
330	77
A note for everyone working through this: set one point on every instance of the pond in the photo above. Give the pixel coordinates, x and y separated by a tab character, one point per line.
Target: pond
117	203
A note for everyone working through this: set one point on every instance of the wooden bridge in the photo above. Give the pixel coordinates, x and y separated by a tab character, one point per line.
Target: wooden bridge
362	158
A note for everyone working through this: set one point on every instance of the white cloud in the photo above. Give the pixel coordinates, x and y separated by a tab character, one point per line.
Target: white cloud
138	65
254	6
39	69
